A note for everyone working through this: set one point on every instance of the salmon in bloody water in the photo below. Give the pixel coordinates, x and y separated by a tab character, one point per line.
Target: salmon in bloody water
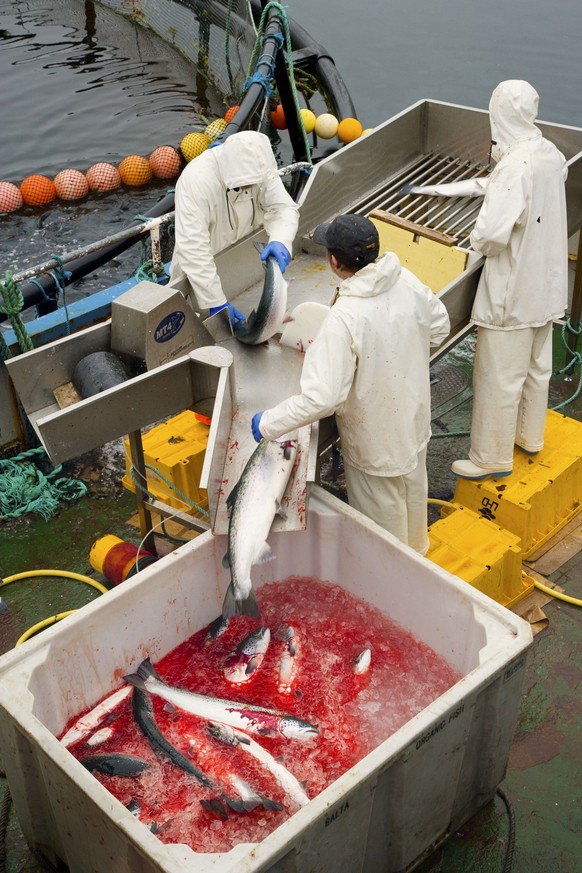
252	787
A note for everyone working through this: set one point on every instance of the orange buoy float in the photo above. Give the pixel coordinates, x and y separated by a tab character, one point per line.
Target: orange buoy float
135	170
103	177
71	185
165	162
10	198
278	118
230	113
193	144
349	129
37	190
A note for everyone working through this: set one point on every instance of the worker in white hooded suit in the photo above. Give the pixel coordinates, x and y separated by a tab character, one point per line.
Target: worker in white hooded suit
369	363
222	195
522	230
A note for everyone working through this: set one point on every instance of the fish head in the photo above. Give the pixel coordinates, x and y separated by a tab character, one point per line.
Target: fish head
296	728
216	629
289	449
248	656
256	643
222	732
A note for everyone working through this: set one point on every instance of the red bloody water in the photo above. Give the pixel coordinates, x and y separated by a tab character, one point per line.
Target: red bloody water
353	713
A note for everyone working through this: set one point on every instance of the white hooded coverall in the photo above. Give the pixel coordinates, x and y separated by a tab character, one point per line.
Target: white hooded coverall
370	365
522	231
221	196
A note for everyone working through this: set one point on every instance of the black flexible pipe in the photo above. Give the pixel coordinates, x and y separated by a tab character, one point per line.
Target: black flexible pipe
335	91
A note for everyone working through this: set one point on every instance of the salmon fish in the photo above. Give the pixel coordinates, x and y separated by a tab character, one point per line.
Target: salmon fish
290	784
465	188
93	719
265	321
245	716
115	764
288	662
143	712
254	502
241	665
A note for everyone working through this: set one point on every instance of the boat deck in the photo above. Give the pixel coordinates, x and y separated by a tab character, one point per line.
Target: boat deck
543	777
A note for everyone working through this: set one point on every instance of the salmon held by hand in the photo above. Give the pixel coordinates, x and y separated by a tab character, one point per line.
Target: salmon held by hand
254	502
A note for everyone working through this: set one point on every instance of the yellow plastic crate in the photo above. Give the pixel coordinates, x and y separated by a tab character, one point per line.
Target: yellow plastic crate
481	553
175	449
544	491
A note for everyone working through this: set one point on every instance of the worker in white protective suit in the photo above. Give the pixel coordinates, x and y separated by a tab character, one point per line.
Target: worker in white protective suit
522	230
221	196
369	363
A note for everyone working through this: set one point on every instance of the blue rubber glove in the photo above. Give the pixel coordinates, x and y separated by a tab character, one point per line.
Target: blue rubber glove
237	319
279	252
214	143
256	426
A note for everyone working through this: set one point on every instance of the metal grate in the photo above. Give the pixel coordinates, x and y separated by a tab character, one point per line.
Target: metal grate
454	216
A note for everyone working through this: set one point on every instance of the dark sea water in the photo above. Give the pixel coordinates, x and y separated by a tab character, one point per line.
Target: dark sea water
82	84
392	53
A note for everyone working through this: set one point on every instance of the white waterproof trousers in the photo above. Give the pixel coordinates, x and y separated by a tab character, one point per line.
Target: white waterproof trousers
511	378
396	503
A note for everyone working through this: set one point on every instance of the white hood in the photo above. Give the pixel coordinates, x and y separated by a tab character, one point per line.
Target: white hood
245	159
513	109
376	278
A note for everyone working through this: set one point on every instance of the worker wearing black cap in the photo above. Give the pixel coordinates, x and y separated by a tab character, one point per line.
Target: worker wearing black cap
369	364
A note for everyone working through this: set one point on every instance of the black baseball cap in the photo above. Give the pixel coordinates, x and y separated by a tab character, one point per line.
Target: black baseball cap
353	239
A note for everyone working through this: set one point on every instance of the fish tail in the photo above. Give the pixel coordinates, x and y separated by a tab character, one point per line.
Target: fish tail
215	806
249	606
144	672
267	803
406	189
239	805
231	606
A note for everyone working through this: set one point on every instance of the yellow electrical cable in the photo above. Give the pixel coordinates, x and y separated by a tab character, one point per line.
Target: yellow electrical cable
442	503
67	574
557	594
40	625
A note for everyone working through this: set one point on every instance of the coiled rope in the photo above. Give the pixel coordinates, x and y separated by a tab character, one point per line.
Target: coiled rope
575	361
24	488
12	304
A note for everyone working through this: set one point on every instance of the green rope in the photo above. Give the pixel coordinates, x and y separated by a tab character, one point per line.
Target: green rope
12	304
60	278
184	497
5	352
576	361
24	488
147	271
288	54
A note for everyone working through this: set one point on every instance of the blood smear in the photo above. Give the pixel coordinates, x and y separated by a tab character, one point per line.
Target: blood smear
354	713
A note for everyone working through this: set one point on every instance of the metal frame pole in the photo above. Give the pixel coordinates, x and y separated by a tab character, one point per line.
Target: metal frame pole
144	515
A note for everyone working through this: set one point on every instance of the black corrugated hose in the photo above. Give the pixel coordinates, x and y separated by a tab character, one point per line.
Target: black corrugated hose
511	831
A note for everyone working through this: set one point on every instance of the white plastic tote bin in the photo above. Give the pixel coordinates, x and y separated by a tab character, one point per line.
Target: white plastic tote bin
381	816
